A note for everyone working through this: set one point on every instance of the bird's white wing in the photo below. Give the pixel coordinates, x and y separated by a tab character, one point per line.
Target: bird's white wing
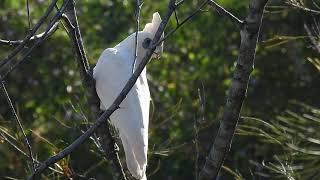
132	119
111	73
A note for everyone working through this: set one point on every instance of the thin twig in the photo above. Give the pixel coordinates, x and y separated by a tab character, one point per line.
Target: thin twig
315	4
179	3
312	38
196	144
115	104
14	113
28	12
30	34
73	30
181	23
35	37
197	123
176	16
226	13
13	145
22	152
299	6
52	23
138	10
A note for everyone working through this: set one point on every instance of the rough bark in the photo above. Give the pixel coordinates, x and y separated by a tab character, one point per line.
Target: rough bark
237	92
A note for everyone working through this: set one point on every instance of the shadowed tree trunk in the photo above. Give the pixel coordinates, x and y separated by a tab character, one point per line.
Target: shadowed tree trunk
249	35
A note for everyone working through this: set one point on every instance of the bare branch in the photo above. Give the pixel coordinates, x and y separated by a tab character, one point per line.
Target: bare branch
179	24
176	16
27	144
237	92
179	3
35	37
313	40
31	33
28	12
3	136
297	4
12	65
115	104
226	13
138	9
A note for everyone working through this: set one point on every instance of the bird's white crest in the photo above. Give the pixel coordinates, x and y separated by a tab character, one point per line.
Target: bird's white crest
111	73
154	25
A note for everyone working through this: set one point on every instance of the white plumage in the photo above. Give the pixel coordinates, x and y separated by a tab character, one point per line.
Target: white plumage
111	73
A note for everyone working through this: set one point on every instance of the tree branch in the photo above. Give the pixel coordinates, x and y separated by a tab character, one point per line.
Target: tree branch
28	12
115	104
298	5
31	33
27	144
35	37
313	40
249	36
11	64
226	13
138	10
179	24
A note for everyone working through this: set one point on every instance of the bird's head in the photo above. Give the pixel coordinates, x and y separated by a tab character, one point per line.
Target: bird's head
148	33
144	39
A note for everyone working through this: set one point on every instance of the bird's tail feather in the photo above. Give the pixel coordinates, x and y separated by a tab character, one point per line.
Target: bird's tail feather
135	158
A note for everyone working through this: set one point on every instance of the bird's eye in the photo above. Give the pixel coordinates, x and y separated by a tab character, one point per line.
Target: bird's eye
146	43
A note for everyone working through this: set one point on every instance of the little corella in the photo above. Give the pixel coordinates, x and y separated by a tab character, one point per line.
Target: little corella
112	71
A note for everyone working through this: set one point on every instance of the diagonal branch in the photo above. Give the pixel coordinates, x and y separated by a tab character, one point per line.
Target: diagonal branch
11	64
313	40
35	37
298	5
237	93
4	137
102	119
179	24
226	13
31	33
27	144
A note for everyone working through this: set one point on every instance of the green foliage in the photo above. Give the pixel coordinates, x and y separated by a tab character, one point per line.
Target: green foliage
294	137
199	57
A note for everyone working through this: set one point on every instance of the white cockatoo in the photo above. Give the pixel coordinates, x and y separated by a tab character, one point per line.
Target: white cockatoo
111	73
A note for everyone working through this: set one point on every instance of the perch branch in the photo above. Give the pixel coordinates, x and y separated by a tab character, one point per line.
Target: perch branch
115	105
14	113
237	92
